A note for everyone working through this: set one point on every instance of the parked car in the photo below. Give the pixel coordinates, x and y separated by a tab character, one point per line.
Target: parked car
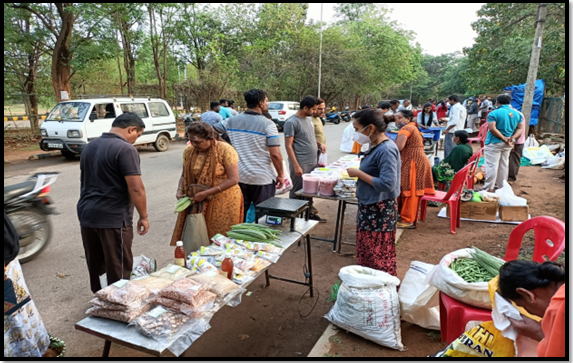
71	125
282	110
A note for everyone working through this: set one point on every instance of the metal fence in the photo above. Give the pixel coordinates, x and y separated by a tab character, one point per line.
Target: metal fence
552	115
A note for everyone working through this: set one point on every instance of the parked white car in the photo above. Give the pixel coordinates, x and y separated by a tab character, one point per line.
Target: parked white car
71	125
282	110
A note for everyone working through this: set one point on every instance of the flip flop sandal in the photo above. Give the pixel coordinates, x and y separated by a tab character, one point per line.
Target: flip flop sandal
405	225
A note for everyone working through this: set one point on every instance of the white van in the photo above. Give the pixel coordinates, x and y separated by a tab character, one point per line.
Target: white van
73	124
281	110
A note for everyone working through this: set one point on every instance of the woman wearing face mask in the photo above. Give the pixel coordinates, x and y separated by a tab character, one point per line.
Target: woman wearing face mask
540	289
416	170
427	118
377	189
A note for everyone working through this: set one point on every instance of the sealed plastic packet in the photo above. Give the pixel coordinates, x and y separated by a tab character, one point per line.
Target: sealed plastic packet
268	256
154	284
187	291
172	272
124	316
123	292
160	322
205	304
221	286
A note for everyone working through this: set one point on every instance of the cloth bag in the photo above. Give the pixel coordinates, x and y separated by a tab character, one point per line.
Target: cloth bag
195	230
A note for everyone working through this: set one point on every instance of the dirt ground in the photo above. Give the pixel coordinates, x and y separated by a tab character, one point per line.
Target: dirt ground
19	145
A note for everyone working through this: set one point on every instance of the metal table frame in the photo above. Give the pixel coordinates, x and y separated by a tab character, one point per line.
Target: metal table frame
119	333
342	202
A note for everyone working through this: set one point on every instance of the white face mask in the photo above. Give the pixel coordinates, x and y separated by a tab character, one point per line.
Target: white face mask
360	138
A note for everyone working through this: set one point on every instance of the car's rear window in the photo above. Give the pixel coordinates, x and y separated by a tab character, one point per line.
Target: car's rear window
276	106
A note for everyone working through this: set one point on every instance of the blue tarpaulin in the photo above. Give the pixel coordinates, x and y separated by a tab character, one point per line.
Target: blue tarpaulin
518	92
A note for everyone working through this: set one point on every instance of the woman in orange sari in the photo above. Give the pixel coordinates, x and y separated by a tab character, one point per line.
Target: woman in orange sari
416	175
540	289
214	164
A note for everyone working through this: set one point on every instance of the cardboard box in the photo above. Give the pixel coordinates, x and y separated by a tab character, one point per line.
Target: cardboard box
483	211
513	214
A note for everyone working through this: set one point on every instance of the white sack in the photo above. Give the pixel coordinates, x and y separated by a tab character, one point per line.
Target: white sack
367	305
419	301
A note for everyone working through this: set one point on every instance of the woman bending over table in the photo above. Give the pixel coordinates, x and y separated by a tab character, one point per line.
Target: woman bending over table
416	174
377	189
540	289
215	164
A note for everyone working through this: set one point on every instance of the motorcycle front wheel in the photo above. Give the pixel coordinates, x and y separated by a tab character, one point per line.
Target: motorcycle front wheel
34	230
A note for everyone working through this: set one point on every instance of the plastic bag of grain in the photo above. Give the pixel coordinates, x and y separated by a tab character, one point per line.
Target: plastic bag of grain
367	305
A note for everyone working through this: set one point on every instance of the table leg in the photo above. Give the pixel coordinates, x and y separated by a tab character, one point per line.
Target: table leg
106	348
267	278
309	265
336	234
339	242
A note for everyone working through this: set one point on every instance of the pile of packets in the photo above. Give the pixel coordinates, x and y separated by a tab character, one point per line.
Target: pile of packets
248	257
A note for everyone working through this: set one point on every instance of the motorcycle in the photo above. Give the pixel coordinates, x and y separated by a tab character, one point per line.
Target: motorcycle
28	205
345	116
333	117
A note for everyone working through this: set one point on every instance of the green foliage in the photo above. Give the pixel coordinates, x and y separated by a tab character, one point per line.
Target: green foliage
500	56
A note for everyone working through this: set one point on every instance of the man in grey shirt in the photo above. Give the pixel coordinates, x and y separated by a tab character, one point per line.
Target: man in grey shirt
232	108
301	144
212	116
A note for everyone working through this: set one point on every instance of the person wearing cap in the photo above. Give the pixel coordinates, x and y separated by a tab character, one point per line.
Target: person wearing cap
459	155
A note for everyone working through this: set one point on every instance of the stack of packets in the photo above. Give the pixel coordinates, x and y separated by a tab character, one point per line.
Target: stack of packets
248	257
123	301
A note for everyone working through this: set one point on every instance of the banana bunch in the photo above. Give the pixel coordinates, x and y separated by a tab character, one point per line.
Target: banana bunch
183	204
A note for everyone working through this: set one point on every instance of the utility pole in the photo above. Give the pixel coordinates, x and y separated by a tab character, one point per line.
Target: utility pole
320	52
533	64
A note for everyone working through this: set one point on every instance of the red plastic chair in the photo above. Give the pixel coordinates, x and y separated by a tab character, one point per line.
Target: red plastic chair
481	136
547	230
475	158
452	198
454	314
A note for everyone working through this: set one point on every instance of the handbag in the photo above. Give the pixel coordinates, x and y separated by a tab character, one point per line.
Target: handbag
195	233
15	296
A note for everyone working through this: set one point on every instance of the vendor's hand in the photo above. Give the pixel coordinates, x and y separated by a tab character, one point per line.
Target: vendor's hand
280	181
298	171
446	131
528	327
322	148
199	197
353	172
180	194
142	226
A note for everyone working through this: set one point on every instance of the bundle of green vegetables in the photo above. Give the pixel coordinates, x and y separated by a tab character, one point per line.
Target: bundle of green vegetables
482	267
253	232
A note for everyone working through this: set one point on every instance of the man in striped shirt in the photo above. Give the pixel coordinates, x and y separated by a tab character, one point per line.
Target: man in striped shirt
257	142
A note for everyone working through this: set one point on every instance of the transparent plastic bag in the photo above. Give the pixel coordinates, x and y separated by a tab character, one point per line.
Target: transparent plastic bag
322	160
221	286
172	272
184	308
143	266
116	307
187	291
125	316
154	284
123	292
507	198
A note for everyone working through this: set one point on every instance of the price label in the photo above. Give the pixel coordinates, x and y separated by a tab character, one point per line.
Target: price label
121	283
157	311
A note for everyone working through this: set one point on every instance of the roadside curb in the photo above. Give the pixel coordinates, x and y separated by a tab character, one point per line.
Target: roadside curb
45	156
323	344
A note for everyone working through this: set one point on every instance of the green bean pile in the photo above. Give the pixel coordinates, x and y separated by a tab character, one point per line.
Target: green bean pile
470	270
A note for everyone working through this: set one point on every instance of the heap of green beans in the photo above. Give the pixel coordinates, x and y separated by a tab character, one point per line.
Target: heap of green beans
470	270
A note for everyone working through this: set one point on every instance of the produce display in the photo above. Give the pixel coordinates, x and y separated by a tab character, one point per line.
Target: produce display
253	232
482	267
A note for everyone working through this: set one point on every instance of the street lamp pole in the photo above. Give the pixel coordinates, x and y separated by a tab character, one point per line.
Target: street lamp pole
320	52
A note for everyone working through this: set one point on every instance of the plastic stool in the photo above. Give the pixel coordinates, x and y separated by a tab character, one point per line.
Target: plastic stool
454	315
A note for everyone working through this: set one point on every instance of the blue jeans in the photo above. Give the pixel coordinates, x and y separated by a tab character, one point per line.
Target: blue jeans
448	143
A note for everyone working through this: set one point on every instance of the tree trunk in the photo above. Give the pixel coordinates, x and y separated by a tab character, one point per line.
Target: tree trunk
164	89
155	47
62	55
119	69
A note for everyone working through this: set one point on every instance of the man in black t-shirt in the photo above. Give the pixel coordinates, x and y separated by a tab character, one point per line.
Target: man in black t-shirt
110	187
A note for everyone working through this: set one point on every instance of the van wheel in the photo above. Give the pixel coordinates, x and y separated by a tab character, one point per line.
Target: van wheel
68	154
162	143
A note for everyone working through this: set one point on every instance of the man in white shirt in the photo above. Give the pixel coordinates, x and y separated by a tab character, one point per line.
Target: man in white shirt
456	122
232	108
406	105
394	105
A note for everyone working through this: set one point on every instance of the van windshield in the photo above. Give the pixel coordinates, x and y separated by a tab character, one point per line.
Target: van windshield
69	111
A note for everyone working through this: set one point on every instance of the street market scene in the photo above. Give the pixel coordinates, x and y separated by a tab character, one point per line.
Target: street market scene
328	181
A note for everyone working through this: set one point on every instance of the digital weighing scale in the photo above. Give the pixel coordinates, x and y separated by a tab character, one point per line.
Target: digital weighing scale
276	209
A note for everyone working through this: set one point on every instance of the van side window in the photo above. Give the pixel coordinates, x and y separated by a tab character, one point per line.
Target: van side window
158	109
137	108
104	110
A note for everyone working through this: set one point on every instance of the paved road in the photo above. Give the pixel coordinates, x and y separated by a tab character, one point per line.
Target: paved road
62	301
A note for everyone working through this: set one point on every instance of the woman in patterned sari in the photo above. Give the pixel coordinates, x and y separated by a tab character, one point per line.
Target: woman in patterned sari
214	164
416	173
376	190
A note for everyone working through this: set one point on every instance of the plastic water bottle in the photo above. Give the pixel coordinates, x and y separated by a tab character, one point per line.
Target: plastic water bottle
436	161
